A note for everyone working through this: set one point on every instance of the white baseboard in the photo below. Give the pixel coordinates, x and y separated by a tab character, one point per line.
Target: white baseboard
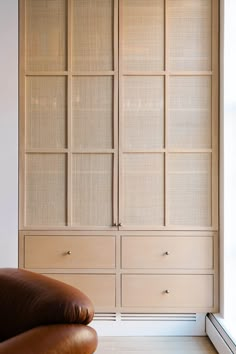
219	337
149	324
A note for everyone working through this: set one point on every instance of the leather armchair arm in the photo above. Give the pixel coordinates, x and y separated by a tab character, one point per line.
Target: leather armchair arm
53	339
29	300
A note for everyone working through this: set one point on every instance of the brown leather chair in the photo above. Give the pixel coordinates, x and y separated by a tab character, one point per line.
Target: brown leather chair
39	315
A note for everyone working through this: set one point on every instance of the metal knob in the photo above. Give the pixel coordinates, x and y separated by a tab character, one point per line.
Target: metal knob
69	253
167	291
119	224
167	253
114	224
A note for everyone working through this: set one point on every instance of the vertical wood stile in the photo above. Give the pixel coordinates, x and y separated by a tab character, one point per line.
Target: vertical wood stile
21	249
215	268
117	69
118	273
69	113
120	188
215	110
166	77
115	113
22	105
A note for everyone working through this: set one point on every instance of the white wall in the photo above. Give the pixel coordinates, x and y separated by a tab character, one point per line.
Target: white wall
8	133
229	153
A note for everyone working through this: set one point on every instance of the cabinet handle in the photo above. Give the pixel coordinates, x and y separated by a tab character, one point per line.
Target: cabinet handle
69	253
120	224
167	253
167	291
114	224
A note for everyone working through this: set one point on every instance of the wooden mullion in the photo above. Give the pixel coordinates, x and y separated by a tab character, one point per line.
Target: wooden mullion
165	37
120	160
115	114
144	151
165	72
69	114
46	151
144	73
46	73
93	151
116	197
166	92
192	151
166	152
22	109
94	73
215	111
190	73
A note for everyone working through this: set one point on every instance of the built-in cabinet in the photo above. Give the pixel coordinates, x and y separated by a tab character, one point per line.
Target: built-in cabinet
119	150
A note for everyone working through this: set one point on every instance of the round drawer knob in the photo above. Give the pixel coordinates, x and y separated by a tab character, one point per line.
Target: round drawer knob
69	253
167	291
167	253
119	224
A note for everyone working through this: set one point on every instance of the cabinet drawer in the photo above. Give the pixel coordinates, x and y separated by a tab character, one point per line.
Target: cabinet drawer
167	252
69	252
99	288
166	291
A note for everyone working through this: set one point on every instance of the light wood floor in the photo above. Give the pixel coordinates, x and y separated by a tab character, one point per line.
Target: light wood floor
155	345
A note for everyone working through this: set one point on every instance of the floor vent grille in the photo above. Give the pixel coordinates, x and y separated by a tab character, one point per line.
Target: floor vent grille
105	317
157	317
140	317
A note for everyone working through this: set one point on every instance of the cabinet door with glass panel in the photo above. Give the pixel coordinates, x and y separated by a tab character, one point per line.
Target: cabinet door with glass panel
69	79
168	74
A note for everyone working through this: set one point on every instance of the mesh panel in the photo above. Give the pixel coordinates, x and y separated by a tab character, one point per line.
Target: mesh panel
189	189
46	112
92	108
189	34
46	189
190	112
143	35
92	35
92	189
143	188
143	112
46	35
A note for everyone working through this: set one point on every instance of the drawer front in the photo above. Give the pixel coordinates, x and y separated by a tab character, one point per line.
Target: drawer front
99	288
167	291
69	252
167	252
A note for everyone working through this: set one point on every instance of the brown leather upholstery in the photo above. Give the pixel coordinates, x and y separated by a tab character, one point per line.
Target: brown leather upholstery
44	313
53	339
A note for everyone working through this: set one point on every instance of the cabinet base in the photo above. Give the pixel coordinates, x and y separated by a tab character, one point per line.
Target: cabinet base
120	324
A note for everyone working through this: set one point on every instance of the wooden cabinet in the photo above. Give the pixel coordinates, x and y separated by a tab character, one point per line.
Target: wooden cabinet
162	171
119	149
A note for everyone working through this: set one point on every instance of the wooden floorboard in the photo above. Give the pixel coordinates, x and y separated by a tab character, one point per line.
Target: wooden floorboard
155	345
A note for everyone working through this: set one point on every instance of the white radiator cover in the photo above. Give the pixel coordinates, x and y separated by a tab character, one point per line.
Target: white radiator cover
140	324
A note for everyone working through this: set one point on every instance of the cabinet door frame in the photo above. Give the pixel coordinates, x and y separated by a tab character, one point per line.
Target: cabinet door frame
167	74
68	150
